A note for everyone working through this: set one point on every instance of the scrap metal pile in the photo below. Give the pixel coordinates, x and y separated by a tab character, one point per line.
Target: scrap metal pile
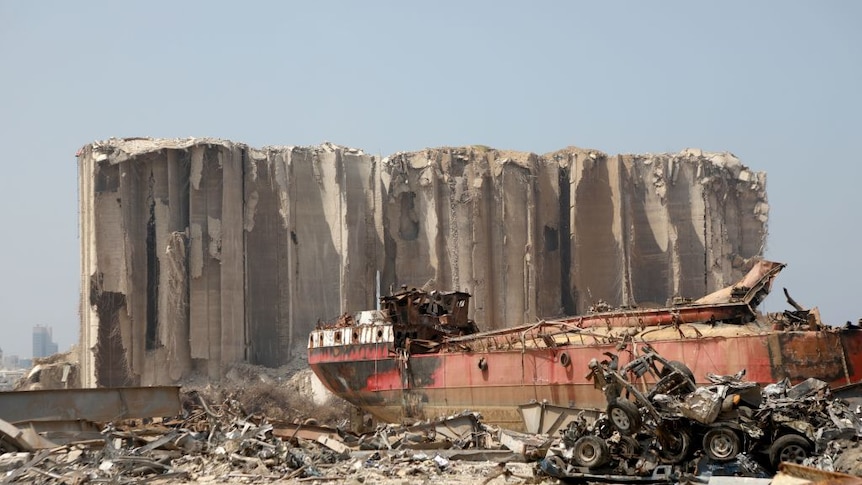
673	428
224	443
219	440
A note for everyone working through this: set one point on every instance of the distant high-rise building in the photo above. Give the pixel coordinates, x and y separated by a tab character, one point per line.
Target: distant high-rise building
43	342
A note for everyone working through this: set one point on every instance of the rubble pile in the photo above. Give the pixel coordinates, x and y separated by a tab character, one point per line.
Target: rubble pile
658	427
223	443
57	371
271	393
208	440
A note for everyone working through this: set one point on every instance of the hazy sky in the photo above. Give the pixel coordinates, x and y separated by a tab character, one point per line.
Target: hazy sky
779	84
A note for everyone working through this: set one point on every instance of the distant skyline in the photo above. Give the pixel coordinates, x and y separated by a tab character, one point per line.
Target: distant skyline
775	83
43	342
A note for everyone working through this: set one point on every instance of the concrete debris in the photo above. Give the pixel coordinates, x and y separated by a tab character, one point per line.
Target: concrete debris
222	442
531	446
58	371
201	253
14	438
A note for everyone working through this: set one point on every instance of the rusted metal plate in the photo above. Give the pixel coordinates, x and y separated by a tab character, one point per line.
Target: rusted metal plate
97	405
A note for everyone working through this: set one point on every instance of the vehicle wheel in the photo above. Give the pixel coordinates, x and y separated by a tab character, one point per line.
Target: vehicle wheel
675	365
791	448
679	367
721	444
675	445
629	447
591	451
625	416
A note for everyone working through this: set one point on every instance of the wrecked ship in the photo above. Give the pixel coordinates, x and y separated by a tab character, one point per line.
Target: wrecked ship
419	356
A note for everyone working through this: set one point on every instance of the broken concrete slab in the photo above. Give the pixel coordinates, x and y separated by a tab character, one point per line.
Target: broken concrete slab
333	444
529	445
12	438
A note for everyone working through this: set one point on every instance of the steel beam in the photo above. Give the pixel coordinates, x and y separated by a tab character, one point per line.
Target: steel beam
98	405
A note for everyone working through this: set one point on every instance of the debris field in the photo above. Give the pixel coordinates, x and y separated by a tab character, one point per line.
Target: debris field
669	432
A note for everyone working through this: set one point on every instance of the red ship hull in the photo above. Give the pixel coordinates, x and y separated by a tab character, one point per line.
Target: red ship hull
427	386
395	364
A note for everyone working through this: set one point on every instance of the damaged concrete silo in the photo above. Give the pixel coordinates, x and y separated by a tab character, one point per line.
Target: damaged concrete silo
536	236
199	253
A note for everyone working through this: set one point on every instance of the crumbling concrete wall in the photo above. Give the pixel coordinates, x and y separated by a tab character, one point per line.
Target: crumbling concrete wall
199	253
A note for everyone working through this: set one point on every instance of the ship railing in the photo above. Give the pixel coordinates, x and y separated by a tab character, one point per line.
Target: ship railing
542	334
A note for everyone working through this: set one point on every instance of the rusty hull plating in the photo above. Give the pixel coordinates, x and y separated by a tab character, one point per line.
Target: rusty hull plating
420	357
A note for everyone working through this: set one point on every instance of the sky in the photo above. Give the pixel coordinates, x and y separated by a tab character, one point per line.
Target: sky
777	83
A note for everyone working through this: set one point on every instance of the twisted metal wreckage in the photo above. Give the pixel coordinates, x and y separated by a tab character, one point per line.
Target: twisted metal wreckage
652	433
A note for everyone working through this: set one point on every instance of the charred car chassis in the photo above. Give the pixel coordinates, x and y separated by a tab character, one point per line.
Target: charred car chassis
671	426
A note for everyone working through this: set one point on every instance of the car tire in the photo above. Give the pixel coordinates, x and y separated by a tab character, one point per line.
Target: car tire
629	447
721	444
676	446
625	416
682	369
790	448
591	451
679	367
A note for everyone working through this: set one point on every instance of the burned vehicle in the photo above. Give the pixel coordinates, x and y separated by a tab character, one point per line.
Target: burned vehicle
673	422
